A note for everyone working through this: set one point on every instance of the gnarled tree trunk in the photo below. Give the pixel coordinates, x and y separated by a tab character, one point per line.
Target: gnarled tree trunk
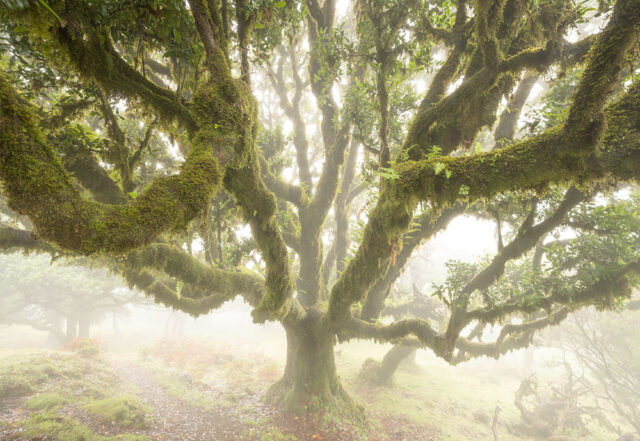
310	381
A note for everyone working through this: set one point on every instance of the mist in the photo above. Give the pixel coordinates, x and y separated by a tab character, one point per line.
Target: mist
340	220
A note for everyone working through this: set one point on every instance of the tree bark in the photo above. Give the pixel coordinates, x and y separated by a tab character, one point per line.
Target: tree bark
310	382
382	372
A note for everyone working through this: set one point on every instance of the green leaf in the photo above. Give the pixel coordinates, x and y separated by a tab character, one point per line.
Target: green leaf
281	4
388	173
43	3
438	167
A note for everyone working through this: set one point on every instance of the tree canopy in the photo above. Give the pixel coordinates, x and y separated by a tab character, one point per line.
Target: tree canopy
147	134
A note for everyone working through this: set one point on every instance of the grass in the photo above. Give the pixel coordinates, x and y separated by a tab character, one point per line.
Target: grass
445	397
46	401
436	396
55	383
62	428
13	386
126	411
178	385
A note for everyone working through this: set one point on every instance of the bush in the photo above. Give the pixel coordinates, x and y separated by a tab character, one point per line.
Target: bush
85	347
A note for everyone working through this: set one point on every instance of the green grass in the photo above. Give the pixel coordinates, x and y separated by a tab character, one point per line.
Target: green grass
126	411
445	397
435	395
62	428
56	380
46	400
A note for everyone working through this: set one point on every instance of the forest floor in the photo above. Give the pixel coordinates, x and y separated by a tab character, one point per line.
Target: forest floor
195	390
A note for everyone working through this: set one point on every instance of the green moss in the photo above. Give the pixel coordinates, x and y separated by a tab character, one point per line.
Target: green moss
38	186
60	428
56	427
124	410
13	386
45	401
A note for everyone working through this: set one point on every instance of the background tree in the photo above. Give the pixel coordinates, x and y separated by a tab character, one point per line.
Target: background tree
605	346
63	300
87	88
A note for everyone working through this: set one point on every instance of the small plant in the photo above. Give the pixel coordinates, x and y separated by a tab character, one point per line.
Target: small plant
85	347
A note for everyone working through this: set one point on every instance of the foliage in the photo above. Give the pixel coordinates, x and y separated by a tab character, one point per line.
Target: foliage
85	347
151	137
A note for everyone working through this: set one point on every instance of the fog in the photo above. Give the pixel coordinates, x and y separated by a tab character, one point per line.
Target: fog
556	385
339	220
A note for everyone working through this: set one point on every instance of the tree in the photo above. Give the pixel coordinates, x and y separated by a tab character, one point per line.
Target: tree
64	300
86	85
605	347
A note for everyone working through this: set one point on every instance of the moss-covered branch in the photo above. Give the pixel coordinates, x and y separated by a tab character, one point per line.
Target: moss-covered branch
602	294
182	266
164	292
94	57
427	225
37	186
421	329
14	239
259	206
84	166
553	157
511	337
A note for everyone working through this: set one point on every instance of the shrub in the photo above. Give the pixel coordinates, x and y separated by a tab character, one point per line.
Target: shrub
86	347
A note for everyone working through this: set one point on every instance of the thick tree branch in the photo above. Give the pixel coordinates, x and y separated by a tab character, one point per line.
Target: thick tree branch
38	186
427	225
552	157
96	58
14	239
182	266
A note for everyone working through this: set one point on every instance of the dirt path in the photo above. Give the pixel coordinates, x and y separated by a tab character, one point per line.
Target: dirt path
176	419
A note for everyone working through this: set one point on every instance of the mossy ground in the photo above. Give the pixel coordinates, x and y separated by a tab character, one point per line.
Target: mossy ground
77	398
69	396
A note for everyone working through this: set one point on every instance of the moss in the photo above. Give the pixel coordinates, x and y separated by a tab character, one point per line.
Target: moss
125	410
553	157
94	57
62	428
12	386
45	401
38	186
259	205
212	286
